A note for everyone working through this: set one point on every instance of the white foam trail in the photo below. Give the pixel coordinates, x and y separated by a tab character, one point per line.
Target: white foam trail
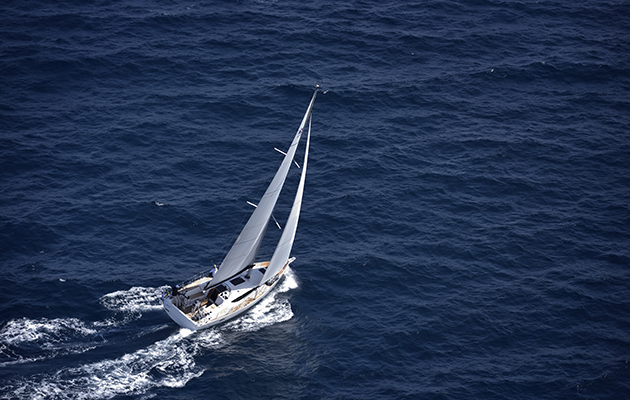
51	335
14	358
46	330
166	363
136	299
58	336
289	282
207	339
269	311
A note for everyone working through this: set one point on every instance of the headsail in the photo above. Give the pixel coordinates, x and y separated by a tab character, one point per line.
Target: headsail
244	250
283	251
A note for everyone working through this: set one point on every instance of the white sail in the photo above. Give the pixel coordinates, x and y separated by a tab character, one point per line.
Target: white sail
283	250
246	246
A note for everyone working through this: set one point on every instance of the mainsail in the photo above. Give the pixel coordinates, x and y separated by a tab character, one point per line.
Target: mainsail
244	250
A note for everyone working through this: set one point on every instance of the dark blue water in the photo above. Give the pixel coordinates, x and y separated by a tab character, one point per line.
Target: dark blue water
465	226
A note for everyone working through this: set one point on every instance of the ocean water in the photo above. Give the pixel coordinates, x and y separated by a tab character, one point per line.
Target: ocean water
465	226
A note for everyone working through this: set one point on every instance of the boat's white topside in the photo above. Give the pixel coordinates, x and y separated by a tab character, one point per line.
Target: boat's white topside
198	305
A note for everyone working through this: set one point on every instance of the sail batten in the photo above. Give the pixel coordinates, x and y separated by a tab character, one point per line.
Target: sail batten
245	248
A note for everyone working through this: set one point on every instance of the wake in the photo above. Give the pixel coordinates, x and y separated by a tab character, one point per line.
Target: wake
166	363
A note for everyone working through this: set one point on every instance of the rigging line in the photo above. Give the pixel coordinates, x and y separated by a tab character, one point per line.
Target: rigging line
276	221
282	152
274	218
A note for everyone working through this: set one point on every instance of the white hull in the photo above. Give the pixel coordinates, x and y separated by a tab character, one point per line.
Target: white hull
197	308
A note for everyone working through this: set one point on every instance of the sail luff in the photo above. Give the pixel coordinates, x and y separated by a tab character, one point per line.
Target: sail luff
283	250
245	248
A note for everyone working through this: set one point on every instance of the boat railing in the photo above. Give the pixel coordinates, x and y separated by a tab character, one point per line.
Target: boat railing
196	277
206	273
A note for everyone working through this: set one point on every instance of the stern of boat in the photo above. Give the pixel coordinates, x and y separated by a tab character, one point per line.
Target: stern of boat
178	316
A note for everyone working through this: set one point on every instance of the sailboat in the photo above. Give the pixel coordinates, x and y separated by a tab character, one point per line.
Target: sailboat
239	282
